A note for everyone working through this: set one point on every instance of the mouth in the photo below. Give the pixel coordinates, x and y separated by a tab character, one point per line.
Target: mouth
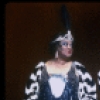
70	51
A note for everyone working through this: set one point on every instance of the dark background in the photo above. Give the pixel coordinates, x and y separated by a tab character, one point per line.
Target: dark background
30	26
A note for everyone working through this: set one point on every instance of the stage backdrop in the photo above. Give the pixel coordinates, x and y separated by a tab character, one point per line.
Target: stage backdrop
28	30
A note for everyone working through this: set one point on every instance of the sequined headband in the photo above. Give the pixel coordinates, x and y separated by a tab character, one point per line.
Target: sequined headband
67	37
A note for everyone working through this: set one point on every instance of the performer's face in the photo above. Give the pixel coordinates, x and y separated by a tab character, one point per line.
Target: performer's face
65	48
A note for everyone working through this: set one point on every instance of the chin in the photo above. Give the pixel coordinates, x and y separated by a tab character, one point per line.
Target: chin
67	56
70	55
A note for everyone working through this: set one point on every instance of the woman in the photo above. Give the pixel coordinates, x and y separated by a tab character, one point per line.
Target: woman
60	78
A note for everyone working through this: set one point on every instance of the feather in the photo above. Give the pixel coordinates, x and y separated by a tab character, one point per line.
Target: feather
65	17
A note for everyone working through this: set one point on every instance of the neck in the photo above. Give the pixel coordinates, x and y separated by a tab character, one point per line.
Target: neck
62	61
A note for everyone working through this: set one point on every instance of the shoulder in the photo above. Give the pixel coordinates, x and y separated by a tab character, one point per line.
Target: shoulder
80	67
78	64
38	68
40	64
49	63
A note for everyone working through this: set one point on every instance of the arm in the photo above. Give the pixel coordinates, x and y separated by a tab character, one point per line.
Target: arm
87	85
32	85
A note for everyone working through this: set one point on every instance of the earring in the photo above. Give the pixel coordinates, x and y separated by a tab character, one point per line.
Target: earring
56	54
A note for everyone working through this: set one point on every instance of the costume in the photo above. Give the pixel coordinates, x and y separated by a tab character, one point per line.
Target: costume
37	86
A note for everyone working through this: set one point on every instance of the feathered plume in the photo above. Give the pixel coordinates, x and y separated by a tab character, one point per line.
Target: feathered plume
65	17
66	22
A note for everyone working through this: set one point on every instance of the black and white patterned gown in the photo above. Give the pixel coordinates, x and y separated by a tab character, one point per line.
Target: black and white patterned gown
38	85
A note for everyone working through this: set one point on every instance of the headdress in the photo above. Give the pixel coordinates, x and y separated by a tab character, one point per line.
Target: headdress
66	22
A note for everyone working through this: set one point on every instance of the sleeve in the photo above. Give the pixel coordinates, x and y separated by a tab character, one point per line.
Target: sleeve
32	85
89	86
86	84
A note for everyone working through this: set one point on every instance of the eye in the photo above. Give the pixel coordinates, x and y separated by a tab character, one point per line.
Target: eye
64	44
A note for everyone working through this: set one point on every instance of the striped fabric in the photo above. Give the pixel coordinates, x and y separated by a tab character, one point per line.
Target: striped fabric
87	87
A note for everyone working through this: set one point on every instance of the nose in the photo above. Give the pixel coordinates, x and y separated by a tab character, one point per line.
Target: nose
69	46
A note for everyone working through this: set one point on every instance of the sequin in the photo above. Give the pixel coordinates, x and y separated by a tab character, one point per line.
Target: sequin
46	94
